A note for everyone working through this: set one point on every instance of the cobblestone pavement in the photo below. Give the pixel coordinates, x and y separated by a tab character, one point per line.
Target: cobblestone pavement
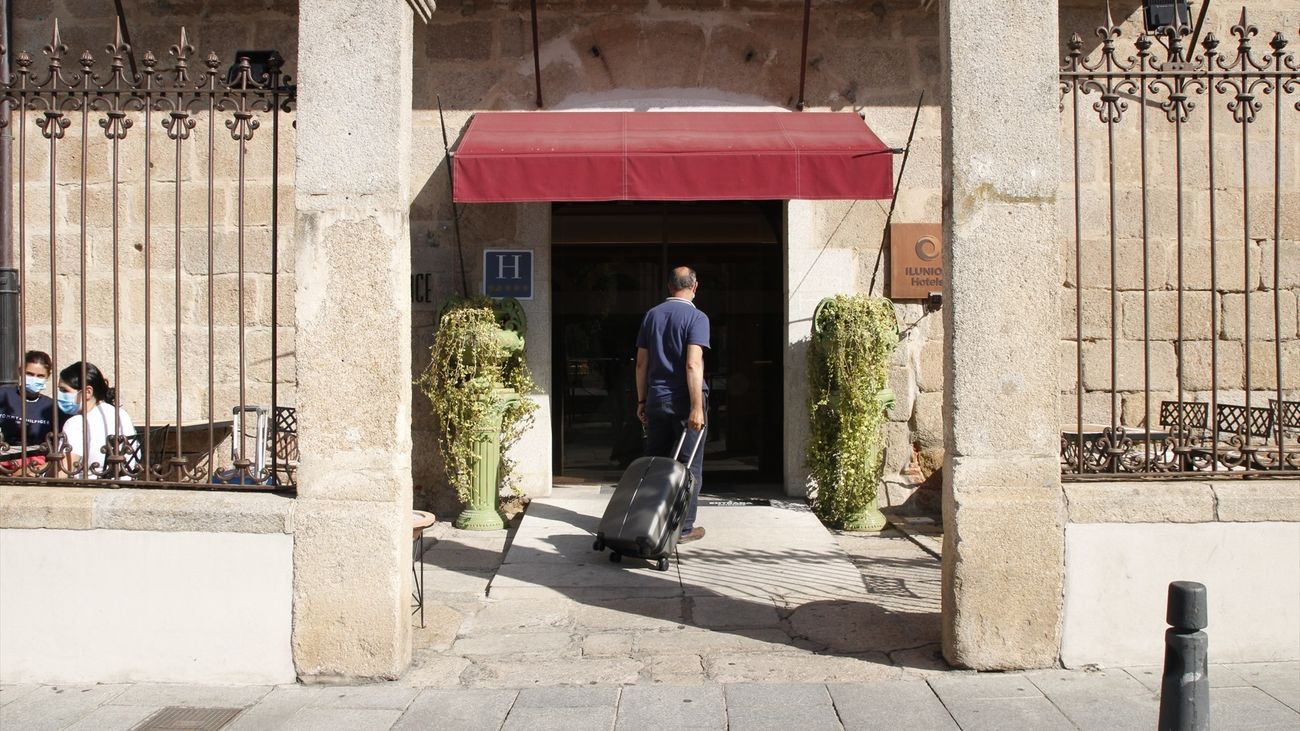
770	622
769	595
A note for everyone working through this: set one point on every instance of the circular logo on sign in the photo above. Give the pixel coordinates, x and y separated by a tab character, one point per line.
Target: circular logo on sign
927	249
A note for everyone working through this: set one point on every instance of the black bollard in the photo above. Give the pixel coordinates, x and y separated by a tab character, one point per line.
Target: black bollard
1185	686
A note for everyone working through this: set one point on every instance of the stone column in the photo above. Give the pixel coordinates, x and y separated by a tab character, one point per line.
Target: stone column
352	524
1003	554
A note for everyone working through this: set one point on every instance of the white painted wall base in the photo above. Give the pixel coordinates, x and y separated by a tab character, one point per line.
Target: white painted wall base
1116	586
111	606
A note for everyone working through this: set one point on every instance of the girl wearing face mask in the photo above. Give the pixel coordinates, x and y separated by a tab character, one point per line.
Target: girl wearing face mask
86	405
27	405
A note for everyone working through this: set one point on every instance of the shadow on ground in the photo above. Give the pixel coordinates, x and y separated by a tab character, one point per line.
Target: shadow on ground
768	595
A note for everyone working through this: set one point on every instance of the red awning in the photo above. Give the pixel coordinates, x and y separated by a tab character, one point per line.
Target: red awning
619	156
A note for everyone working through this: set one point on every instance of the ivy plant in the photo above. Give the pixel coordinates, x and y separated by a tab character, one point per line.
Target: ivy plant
848	368
477	351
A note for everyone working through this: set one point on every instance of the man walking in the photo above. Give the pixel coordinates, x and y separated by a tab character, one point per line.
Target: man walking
670	386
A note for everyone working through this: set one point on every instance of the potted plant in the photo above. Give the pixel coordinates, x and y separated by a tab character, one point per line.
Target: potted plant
848	372
476	380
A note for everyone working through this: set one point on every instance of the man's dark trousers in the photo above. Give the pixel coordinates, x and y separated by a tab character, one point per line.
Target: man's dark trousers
665	421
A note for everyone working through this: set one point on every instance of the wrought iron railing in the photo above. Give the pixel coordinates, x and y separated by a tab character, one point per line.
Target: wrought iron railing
147	236
1182	273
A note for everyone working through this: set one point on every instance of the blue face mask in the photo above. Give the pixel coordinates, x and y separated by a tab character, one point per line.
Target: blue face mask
68	403
35	385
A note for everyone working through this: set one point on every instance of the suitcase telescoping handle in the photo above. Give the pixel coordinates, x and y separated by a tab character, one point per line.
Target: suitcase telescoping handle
682	441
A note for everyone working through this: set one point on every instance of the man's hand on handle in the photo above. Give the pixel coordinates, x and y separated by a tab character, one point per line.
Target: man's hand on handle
696	420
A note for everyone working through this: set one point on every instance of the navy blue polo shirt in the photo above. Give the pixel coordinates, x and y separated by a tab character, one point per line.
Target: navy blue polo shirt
665	332
40	415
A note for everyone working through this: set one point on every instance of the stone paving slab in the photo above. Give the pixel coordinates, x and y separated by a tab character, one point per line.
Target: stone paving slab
341	719
1110	713
113	718
514	615
716	612
457	710
779	707
566	697
1113	683
998	714
276	708
563	708
673	670
1249	708
631	614
608	644
549	644
510	673
9	693
455	583
895	705
384	696
766	667
605	575
1280	680
54	707
438	671
560	719
190	696
957	687
671	706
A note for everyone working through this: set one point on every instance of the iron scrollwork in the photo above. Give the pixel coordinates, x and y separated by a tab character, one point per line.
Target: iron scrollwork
119	101
1182	78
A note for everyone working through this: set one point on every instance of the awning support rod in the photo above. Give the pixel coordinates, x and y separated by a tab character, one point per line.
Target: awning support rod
902	168
537	56
803	55
451	193
126	36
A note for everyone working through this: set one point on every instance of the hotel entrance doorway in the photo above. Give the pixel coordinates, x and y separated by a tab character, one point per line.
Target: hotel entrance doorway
609	265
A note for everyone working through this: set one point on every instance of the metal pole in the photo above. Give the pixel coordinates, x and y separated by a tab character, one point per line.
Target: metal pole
9	283
455	212
1185	686
803	54
537	56
893	201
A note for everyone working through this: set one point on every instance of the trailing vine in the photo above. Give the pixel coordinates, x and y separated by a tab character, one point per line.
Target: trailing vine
478	350
848	367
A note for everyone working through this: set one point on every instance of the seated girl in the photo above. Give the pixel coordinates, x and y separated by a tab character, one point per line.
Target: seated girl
86	401
24	408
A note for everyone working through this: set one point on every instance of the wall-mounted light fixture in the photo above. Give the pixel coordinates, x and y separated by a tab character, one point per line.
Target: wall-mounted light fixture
1161	14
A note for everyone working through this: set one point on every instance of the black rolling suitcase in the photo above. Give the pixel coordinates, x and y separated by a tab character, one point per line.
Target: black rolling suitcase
644	516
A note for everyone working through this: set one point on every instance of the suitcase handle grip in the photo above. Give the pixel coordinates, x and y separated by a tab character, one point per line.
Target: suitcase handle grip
682	442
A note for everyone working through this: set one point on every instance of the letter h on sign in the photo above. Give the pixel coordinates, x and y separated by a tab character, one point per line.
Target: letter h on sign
508	273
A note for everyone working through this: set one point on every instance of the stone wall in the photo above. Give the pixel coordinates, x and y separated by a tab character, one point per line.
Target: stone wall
222	27
874	60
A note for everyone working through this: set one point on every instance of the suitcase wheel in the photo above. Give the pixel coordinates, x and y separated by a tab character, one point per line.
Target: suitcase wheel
599	545
615	557
662	563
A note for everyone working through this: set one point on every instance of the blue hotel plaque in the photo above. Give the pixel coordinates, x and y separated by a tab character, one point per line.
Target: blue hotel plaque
508	273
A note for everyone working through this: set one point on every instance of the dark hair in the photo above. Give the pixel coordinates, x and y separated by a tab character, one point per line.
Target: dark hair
38	357
98	385
681	278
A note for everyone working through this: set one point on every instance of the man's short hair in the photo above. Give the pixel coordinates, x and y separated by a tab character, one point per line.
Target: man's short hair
681	278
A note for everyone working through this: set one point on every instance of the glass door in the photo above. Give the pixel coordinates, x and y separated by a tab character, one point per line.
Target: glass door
609	265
